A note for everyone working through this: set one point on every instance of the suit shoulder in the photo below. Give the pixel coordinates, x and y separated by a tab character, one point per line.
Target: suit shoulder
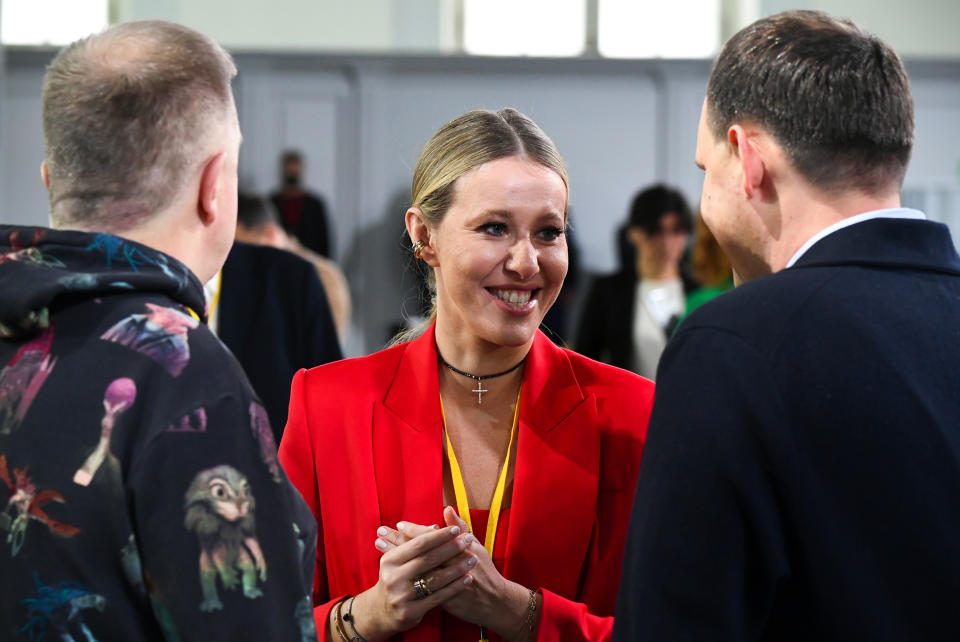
762	301
614	282
266	256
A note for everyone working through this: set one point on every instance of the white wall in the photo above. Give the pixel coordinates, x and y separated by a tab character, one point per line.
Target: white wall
291	25
917	29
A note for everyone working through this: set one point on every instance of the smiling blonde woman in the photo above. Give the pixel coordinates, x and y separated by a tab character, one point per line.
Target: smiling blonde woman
537	447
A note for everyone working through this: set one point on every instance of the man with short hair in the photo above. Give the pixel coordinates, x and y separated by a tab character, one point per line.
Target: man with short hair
140	490
802	468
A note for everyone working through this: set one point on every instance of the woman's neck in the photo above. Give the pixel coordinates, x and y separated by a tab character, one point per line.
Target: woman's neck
652	269
477	356
480	359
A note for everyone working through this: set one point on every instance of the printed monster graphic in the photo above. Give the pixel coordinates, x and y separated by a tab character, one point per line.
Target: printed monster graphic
260	426
21	379
119	396
161	334
23	505
303	613
29	253
57	609
194	421
219	507
133	570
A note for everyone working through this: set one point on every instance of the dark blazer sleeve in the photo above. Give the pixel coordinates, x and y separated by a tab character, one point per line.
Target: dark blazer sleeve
314	230
606	325
590	334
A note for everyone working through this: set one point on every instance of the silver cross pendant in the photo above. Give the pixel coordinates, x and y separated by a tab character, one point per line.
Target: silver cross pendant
480	390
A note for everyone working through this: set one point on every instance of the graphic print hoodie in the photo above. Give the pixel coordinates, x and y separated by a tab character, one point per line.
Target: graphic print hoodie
140	492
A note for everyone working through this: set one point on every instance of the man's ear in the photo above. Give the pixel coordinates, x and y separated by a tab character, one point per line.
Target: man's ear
45	175
418	230
208	200
750	159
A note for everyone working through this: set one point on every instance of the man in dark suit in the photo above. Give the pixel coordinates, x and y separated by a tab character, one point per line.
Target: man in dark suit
274	316
302	213
802	469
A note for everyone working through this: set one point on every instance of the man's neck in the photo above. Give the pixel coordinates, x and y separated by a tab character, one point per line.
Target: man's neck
811	215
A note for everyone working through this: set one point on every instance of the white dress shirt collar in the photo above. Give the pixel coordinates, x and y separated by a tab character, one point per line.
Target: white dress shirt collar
900	212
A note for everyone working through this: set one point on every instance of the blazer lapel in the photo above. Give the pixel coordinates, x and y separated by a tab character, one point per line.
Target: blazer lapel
407	442
407	439
556	479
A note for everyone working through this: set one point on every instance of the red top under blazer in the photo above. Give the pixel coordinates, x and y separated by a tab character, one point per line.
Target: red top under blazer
364	446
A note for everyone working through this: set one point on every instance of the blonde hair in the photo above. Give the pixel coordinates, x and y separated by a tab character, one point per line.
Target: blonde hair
465	143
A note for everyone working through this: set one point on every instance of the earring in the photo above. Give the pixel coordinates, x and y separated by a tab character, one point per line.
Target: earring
417	249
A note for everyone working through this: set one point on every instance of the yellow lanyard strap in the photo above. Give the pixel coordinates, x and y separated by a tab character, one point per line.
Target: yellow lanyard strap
460	490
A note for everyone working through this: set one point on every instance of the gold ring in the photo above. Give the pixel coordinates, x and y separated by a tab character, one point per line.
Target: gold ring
420	589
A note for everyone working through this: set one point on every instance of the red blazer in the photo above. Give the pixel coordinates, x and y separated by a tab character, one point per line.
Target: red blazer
363	444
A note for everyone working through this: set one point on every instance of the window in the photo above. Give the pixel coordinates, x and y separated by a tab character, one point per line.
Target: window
524	28
50	22
657	29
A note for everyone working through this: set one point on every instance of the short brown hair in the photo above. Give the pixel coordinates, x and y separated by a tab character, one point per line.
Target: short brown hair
837	99
125	115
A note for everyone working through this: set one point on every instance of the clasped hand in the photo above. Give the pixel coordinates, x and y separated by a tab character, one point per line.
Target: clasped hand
464	582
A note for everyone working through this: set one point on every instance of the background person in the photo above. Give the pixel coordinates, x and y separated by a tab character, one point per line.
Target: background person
271	311
302	213
709	266
535	444
803	463
257	223
140	490
628	316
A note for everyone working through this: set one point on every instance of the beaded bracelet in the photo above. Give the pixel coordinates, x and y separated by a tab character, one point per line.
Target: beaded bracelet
348	618
338	622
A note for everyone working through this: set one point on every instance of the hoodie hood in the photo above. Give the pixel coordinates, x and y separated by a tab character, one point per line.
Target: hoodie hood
41	269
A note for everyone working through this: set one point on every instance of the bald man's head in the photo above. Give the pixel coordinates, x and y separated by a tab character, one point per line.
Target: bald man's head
127	118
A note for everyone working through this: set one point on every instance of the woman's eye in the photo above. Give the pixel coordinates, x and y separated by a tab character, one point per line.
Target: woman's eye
551	233
495	229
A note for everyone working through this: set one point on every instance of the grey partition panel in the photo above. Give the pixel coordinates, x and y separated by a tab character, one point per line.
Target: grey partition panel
24	199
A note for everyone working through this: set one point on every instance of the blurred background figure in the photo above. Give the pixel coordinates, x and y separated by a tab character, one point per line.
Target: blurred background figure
257	223
628	316
303	214
709	266
559	322
269	307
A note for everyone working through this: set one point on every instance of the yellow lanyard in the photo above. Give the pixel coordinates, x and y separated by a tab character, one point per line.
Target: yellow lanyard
460	490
